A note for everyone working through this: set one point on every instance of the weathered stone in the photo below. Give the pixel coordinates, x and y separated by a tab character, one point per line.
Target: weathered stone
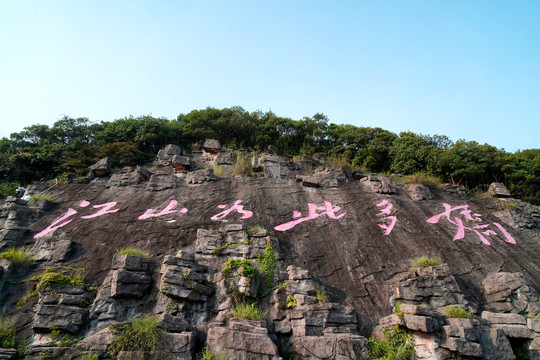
53	249
463	347
129	177
224	158
418	192
297	273
433	285
42	204
515	331
8	354
535	344
177	346
212	146
501	281
495	345
242	344
200	176
168	152
130	262
497	318
463	322
180	163
101	168
330	346
160	182
378	184
41	352
498	190
421	323
310	181
96	342
534	325
65	318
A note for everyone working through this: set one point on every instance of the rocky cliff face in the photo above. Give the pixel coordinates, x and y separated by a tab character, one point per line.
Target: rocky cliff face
325	253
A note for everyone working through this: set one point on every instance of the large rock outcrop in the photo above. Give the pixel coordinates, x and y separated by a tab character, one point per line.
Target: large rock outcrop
325	253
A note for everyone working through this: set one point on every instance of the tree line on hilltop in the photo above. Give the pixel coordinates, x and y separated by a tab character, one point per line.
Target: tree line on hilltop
71	145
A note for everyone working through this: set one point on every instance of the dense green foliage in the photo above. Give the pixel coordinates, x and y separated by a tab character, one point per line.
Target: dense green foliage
71	145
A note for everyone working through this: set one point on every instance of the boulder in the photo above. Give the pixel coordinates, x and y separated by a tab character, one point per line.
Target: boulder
168	152
498	190
330	346
101	168
53	249
510	293
211	147
418	192
378	184
243	340
181	163
201	176
129	176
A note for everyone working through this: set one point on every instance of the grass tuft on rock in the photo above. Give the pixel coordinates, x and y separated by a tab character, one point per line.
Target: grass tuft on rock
248	312
42	197
207	354
425	261
18	255
455	311
422	178
132	251
53	276
141	334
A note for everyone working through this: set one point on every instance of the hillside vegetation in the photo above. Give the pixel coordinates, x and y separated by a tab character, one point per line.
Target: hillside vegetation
71	145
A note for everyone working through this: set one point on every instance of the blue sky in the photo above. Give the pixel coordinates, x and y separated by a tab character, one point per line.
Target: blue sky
466	69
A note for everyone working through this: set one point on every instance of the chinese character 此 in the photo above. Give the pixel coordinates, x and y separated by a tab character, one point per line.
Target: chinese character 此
328	209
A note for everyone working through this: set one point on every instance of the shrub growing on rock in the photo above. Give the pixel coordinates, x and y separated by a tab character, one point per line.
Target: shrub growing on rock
291	302
396	344
322	296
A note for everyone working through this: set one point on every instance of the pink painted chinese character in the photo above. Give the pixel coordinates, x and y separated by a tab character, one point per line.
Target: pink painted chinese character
166	210
57	223
246	214
475	218
106	209
389	227
386	211
328	209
